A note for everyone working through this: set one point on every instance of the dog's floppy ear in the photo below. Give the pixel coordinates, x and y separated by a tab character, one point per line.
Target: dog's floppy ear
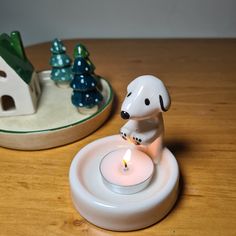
164	97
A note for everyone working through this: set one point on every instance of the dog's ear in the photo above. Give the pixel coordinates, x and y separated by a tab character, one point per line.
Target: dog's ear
164	97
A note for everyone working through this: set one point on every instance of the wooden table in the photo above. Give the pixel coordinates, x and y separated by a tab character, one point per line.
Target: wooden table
200	131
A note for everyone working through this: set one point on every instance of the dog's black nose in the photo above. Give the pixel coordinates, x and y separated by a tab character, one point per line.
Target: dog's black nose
125	115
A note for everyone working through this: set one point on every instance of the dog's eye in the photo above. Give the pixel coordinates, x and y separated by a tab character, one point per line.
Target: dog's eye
147	101
129	94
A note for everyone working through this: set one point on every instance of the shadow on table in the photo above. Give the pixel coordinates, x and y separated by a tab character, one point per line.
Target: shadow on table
179	148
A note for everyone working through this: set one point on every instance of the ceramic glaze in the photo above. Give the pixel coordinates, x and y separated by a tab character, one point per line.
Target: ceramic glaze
113	211
81	51
147	97
19	85
84	84
61	72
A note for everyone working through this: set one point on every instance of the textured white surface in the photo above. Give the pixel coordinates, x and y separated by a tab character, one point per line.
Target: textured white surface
109	210
118	19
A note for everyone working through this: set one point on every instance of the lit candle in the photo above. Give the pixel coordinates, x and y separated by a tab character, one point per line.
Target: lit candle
126	159
126	171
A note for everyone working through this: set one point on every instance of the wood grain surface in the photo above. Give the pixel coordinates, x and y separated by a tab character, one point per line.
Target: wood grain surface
200	131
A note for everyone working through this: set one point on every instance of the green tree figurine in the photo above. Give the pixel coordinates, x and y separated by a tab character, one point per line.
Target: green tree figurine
81	51
61	72
85	94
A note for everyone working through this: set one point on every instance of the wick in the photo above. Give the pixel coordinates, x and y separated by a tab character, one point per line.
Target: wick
125	165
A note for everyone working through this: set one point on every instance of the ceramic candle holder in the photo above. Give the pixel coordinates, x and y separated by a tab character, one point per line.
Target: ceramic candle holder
129	181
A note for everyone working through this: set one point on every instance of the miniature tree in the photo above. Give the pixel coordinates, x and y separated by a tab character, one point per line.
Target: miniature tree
85	94
61	72
81	51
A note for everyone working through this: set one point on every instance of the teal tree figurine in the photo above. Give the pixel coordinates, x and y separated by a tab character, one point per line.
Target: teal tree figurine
61	72
86	95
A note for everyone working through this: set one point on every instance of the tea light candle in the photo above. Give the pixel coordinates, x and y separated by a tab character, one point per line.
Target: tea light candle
126	171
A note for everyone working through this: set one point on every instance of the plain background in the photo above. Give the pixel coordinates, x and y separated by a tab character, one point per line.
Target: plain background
43	20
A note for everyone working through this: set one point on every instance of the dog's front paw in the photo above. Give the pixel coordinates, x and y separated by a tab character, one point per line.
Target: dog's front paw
137	141
123	135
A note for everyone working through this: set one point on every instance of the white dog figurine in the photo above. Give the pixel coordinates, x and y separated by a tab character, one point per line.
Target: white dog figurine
146	99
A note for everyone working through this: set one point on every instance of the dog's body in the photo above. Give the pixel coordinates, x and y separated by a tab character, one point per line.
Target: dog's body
147	98
143	131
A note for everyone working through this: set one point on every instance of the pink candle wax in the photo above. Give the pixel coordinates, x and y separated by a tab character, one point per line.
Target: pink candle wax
126	171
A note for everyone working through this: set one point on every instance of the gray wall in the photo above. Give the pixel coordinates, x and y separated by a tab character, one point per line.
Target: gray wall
43	20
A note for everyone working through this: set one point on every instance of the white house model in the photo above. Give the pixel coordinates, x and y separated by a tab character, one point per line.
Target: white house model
19	84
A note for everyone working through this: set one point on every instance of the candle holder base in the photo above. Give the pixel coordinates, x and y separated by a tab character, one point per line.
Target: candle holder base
112	211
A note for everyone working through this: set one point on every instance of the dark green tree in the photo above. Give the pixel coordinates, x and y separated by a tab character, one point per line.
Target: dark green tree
61	64
81	51
84	84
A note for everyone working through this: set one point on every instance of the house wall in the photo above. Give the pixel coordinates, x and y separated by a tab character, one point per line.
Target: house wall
35	88
15	87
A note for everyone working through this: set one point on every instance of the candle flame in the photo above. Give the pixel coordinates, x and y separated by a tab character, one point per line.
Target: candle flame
127	158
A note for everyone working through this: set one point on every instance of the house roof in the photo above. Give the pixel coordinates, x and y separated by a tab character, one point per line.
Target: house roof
12	51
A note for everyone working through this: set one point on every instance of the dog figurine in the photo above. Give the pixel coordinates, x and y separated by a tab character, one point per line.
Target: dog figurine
147	97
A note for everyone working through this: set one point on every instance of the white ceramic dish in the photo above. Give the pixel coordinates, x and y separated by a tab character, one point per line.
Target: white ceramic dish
118	212
57	121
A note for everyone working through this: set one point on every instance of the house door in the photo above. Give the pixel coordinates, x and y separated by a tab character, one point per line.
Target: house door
8	103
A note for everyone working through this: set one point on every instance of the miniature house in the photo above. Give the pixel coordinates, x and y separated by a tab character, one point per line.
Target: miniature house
19	84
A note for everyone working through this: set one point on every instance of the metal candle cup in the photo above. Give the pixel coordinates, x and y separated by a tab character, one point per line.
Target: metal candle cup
126	171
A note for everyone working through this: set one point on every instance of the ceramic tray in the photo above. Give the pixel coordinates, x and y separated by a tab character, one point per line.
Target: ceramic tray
56	122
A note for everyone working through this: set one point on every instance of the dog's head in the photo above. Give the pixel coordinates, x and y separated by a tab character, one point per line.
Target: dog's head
146	97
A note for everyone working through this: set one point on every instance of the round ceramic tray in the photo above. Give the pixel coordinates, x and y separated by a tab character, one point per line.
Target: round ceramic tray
56	122
118	212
